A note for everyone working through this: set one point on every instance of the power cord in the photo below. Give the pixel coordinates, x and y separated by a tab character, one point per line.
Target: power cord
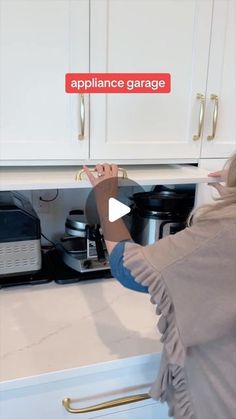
50	241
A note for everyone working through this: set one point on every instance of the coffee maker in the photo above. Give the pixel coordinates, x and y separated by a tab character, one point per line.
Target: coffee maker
82	248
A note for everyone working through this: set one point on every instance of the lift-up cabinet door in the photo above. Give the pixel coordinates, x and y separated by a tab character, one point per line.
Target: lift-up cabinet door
28	178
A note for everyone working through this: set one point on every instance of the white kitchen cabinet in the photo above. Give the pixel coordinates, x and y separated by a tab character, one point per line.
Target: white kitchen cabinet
149	36
221	83
41	396
39	42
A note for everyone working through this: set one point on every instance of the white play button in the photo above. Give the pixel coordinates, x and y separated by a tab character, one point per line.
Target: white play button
116	209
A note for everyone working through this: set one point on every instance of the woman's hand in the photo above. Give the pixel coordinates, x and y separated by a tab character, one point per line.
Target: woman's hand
106	181
104	171
105	185
218	186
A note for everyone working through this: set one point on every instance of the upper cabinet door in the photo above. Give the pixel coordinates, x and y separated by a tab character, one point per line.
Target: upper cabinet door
149	36
221	83
40	41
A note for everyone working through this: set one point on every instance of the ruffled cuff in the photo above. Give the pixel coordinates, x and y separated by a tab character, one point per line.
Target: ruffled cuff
171	384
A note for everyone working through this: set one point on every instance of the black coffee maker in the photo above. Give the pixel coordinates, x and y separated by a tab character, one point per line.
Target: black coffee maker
83	247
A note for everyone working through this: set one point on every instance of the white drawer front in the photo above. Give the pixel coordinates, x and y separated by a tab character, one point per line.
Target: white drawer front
41	397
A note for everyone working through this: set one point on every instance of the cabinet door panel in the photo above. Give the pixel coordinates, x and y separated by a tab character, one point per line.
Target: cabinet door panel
39	42
222	82
149	36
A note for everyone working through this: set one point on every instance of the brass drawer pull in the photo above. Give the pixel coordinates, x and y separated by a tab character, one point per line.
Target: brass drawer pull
201	97
79	174
106	405
215	117
82	117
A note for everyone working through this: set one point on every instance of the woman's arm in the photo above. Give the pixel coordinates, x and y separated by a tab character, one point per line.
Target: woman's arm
115	233
106	186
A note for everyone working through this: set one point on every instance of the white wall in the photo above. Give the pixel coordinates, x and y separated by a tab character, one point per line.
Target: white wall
53	214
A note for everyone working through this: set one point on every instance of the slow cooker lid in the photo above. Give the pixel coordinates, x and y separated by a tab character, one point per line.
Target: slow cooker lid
163	201
160	215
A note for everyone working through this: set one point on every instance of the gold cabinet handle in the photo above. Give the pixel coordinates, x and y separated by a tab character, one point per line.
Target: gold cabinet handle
106	405
201	97
82	117
215	117
79	174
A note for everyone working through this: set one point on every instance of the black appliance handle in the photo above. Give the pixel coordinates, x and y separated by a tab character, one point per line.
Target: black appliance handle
93	233
99	245
76	212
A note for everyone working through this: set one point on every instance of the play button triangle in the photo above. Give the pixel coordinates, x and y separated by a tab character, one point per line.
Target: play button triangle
116	209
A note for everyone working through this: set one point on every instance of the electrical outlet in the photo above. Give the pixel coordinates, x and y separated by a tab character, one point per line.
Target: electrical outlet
40	206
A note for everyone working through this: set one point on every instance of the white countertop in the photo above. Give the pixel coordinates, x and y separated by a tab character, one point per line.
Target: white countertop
52	327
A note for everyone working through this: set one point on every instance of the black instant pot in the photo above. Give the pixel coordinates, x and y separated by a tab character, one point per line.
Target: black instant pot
160	212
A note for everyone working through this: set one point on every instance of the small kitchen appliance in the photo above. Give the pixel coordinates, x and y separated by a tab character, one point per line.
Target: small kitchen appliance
160	212
83	247
20	246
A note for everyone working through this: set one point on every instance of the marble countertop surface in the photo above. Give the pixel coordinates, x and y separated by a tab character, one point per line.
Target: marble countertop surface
51	327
